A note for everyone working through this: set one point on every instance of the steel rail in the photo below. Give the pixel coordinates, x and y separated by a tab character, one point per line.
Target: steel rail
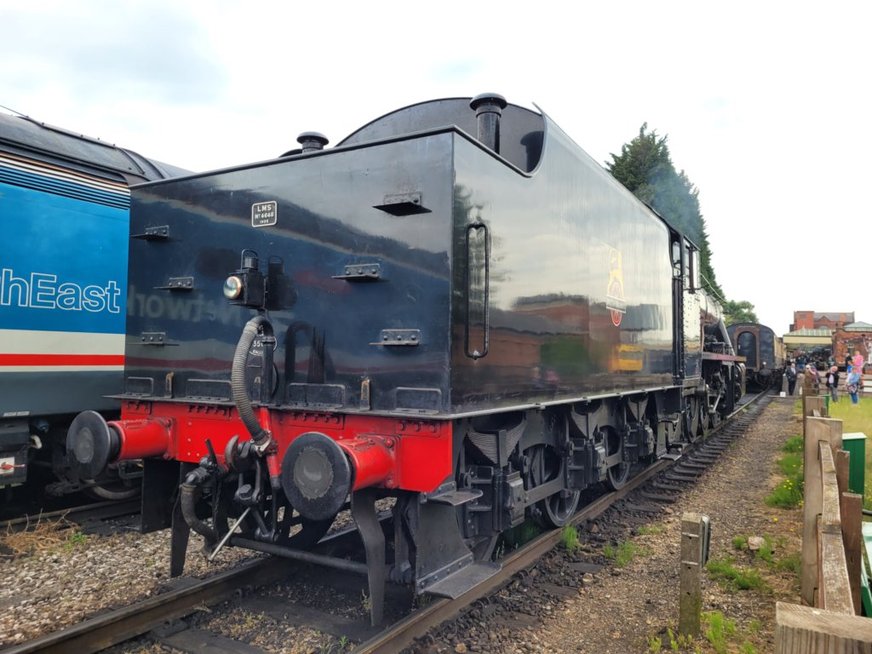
128	622
95	511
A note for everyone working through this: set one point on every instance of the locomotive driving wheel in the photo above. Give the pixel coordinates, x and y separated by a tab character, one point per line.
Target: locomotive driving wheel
694	420
545	465
714	420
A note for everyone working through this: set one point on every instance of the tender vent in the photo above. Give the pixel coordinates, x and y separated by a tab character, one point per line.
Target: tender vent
403	204
154	233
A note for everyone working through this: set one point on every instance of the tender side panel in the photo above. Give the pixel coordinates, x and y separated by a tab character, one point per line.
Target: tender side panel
578	287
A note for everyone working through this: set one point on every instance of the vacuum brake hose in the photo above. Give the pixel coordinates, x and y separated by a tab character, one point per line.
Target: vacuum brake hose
237	378
189	495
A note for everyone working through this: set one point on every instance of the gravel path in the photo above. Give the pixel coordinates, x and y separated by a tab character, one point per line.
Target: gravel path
69	576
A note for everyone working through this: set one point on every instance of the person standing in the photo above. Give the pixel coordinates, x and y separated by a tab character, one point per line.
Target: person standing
833	382
854	382
858	362
811	384
791	378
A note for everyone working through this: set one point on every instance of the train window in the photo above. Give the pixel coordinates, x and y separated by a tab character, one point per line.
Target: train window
676	259
746	346
688	266
767	347
477	289
692	270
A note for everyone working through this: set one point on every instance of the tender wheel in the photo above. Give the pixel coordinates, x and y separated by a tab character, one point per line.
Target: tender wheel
558	509
114	491
546	465
618	474
115	488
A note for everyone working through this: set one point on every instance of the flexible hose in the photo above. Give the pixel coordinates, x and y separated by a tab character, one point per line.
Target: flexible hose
189	495
237	378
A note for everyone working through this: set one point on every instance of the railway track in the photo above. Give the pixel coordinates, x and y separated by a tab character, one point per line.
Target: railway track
84	514
659	483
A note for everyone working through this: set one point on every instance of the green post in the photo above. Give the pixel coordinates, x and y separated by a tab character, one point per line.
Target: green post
827	404
855	445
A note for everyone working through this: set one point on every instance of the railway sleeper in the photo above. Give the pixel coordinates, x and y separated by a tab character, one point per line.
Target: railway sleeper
658	497
692	465
678	477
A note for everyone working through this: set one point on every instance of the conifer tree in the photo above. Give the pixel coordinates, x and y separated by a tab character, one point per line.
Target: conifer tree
645	168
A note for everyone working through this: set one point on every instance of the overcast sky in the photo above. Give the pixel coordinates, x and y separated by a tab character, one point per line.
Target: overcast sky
766	105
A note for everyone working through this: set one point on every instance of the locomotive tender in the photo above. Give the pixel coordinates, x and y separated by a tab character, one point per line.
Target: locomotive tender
455	307
64	204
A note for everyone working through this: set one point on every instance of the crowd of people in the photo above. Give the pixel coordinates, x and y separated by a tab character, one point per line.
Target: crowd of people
813	378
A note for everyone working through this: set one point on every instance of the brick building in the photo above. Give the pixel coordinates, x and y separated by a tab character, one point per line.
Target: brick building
818	320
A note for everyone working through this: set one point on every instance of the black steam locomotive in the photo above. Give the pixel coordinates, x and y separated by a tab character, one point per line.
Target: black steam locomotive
455	307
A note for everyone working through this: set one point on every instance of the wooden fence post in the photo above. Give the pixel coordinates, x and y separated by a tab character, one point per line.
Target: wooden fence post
816	430
812	406
852	534
843	468
690	602
834	589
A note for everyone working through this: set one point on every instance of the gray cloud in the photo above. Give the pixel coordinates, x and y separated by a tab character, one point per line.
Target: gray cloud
111	50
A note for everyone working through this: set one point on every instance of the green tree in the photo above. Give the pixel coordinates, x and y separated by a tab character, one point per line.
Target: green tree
645	168
742	311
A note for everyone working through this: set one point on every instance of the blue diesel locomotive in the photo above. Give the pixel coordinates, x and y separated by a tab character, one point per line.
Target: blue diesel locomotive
64	212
